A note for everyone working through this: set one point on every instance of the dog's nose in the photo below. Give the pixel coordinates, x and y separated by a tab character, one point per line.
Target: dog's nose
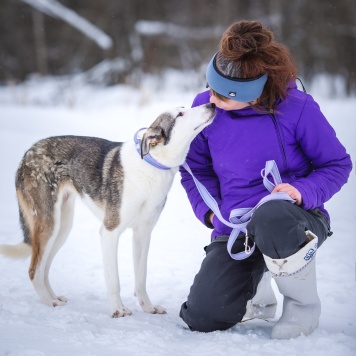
210	106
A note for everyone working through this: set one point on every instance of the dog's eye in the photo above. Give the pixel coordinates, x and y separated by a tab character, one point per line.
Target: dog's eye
180	113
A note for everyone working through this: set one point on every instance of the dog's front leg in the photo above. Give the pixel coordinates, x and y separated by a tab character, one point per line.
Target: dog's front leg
141	243
109	246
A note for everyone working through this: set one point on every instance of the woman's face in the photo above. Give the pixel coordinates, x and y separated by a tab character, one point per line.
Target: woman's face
228	104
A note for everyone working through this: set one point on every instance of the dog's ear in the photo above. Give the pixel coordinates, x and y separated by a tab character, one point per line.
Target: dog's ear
152	137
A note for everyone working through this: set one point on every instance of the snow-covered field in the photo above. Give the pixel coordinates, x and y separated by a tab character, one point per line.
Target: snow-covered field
84	326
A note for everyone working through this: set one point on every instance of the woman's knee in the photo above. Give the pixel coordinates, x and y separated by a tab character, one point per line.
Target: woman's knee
221	303
220	291
210	318
271	213
277	228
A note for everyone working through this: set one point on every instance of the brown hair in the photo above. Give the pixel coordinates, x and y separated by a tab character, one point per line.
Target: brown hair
247	49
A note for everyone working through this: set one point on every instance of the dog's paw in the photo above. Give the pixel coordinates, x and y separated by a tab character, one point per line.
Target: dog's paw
121	313
59	301
153	309
62	299
159	309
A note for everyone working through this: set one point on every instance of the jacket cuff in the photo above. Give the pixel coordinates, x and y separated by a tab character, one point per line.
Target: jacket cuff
207	220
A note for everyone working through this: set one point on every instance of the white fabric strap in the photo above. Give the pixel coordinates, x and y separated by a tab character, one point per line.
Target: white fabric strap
239	218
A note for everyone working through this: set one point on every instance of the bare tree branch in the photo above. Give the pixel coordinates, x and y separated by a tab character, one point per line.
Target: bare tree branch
55	9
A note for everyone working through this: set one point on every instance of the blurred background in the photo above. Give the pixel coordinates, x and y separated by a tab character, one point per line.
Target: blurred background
106	68
122	41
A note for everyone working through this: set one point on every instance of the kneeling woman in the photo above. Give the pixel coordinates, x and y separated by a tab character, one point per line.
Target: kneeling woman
261	117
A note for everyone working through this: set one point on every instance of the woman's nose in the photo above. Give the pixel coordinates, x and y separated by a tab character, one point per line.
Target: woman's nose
213	99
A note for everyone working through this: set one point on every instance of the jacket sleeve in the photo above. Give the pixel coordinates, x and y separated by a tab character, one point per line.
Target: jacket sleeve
200	162
330	162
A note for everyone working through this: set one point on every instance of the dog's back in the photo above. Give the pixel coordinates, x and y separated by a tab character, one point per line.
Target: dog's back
54	168
78	160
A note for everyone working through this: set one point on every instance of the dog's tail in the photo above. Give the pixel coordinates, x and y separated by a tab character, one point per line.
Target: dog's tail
21	250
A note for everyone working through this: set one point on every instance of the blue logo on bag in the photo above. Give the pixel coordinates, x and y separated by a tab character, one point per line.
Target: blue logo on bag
309	255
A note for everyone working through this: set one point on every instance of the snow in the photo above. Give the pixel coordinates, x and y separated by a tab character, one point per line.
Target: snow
83	327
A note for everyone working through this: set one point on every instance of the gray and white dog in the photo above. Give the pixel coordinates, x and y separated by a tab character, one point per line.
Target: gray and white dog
120	188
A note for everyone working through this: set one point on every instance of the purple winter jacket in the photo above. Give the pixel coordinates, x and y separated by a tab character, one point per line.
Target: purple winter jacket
227	157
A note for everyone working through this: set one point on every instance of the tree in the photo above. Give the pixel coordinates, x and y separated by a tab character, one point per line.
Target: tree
149	36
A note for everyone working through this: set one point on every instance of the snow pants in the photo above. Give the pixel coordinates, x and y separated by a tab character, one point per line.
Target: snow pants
222	287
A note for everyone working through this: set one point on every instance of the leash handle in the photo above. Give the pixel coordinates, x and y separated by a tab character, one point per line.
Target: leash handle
271	169
239	218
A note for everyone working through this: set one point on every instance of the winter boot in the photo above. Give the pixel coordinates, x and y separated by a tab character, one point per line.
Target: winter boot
296	280
264	304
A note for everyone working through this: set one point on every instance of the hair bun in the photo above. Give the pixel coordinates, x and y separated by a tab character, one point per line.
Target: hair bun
247	50
244	40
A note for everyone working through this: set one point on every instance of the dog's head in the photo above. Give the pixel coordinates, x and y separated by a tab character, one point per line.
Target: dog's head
170	135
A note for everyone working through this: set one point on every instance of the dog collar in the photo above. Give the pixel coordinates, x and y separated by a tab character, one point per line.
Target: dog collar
238	89
148	158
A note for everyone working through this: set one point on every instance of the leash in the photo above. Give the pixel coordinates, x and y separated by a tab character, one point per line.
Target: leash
148	158
239	218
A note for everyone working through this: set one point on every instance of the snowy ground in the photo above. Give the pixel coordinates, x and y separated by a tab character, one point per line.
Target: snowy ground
83	326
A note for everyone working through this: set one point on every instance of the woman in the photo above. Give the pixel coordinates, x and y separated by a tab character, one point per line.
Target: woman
261	117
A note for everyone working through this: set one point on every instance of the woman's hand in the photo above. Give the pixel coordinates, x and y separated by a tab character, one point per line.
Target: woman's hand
211	217
290	190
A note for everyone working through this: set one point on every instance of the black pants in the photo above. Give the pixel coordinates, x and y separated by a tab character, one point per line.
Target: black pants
221	289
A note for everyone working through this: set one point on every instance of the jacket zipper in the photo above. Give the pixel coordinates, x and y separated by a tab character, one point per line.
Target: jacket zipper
280	139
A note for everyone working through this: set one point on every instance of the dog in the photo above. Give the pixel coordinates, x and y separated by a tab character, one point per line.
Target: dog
125	184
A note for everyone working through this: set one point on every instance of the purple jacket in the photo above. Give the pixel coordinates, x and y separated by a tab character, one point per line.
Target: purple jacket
228	156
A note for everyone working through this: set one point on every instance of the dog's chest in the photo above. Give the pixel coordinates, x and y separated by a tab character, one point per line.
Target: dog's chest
147	186
143	184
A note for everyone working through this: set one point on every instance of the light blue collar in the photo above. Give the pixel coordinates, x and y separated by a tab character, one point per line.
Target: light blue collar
148	158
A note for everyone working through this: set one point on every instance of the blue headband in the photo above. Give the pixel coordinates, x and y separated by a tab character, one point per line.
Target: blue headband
243	90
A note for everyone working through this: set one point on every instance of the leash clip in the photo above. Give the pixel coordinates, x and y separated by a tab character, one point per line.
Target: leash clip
247	247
